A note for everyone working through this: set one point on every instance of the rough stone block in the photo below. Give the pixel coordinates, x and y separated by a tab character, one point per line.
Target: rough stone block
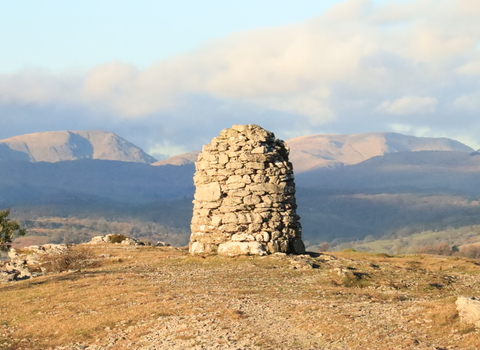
223	159
242	237
241	248
256	165
261	149
469	310
208	193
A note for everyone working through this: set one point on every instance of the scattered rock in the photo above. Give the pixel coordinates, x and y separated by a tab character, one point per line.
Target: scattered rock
115	238
21	261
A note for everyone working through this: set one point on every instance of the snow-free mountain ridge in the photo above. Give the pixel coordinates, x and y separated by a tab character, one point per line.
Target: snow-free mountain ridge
307	153
311	152
318	151
56	146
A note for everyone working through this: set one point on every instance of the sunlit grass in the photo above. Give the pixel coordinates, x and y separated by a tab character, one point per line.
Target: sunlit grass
136	286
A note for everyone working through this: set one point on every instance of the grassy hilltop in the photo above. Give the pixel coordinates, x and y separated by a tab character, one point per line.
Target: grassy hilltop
163	298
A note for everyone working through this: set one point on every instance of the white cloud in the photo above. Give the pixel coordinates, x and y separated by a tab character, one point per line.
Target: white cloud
469	7
469	102
38	86
165	150
470	68
423	131
409	105
334	72
349	9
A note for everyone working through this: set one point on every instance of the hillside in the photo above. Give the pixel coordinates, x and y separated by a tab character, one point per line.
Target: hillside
162	298
464	240
57	146
414	191
92	180
424	170
405	190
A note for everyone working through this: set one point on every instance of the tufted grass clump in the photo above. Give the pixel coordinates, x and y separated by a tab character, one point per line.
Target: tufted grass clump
355	280
77	257
116	238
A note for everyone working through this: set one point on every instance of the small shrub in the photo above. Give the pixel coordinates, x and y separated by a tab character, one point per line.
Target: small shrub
383	255
355	280
324	247
74	258
117	238
436	249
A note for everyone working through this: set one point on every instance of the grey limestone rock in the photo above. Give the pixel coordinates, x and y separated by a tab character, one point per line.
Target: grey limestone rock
241	248
20	263
245	196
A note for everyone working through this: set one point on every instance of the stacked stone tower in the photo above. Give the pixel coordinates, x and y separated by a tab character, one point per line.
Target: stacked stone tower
245	196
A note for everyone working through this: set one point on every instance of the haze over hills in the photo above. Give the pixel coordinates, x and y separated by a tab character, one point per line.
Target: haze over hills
57	146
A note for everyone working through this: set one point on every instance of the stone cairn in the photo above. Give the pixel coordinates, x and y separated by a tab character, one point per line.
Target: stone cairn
245	196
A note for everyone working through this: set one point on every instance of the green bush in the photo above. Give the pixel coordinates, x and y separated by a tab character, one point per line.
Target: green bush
8	228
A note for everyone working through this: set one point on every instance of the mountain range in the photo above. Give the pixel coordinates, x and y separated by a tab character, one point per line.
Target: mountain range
348	186
312	152
57	146
307	153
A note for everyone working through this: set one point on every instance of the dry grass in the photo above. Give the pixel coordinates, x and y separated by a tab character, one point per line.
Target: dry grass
145	286
77	257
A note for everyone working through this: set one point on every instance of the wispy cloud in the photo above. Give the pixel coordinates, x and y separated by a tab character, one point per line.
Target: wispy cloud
409	105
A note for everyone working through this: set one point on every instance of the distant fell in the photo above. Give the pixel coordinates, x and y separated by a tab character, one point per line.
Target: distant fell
181	159
327	151
312	152
56	146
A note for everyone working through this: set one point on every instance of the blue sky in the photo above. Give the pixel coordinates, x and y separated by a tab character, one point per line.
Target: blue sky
168	76
71	35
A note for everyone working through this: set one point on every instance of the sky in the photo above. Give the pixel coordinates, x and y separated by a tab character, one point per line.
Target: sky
169	75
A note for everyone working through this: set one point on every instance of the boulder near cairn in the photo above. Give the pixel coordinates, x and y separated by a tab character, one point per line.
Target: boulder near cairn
245	196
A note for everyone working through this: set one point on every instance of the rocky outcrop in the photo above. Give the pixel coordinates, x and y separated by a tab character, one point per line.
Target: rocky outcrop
469	310
123	240
115	238
24	263
245	196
